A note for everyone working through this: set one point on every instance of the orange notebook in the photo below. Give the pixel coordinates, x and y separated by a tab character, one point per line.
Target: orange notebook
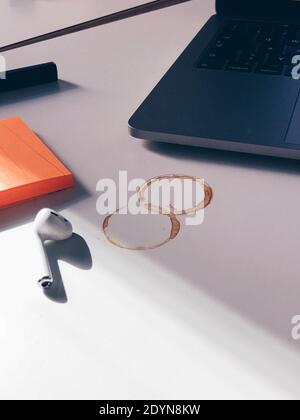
28	168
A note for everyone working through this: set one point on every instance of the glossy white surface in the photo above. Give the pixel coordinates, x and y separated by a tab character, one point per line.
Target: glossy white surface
208	315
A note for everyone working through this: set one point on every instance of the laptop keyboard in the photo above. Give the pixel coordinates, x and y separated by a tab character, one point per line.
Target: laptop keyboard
264	48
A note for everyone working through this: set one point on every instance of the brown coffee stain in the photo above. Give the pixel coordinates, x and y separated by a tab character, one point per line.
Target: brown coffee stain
174	231
170	213
208	195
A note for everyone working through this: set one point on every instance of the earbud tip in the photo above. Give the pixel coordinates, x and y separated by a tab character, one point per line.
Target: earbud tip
45	282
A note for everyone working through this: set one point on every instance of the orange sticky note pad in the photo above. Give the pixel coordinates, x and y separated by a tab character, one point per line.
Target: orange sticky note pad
28	168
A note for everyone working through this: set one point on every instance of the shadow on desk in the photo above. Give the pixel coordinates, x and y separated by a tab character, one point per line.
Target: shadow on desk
35	92
24	213
74	251
219	157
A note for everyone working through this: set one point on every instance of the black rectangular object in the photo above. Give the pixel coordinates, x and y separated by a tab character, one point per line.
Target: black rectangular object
29	76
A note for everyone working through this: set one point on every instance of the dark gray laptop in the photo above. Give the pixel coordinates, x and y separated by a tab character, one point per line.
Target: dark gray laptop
232	88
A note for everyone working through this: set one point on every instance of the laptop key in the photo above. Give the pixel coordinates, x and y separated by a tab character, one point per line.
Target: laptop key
291	52
243	68
211	64
278	59
273	69
266	48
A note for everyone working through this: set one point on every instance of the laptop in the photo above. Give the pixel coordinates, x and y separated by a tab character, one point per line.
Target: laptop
235	87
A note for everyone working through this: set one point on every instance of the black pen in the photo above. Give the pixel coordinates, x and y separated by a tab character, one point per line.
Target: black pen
114	17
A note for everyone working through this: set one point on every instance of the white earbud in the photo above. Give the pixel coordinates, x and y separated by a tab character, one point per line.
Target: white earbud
50	226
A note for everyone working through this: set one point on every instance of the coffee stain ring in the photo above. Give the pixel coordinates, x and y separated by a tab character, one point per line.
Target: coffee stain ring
174	231
208	195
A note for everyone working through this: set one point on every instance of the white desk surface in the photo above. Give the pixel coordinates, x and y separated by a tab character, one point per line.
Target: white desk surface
206	316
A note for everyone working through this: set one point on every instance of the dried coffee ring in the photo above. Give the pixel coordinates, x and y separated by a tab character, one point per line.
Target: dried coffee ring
174	230
208	195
